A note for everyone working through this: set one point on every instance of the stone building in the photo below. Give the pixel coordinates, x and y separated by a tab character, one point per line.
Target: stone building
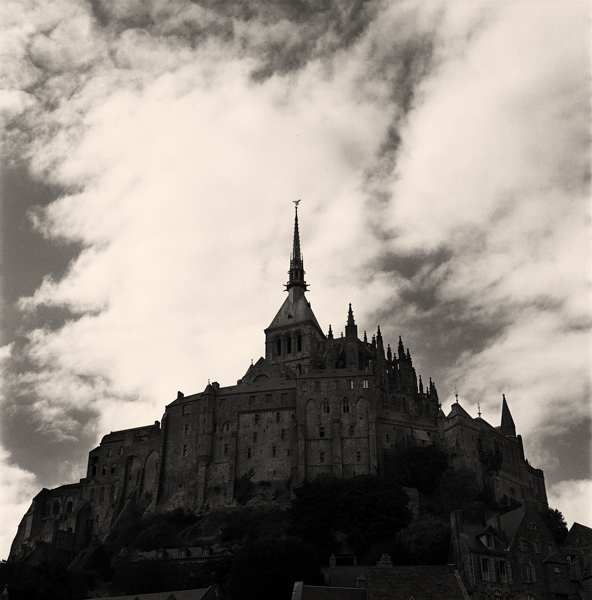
316	403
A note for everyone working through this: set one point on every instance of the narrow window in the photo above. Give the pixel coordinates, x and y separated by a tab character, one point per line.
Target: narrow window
102	495
365	384
108	452
536	547
299	369
550	545
387	438
268	398
278	347
489	540
503	573
274	451
225	449
288	345
288	452
186	429
69	507
185	449
227	427
104	470
248	453
326	407
277	417
283	434
120	449
359	456
352	430
322	457
351	384
299	339
186	409
284	397
485	569
321	432
256	419
254	436
346	406
112	469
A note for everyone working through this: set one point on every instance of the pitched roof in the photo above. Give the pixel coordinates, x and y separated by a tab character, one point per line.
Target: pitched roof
422	582
197	594
295	310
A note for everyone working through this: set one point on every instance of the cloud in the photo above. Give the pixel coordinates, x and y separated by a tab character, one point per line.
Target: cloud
572	498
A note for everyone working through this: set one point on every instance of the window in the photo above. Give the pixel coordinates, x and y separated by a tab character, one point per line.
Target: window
225	449
256	419
215	427
278	347
503	572
536	547
352	430
104	470
358	456
69	507
556	569
529	574
186	429
299	343
351	384
283	436
274	451
251	400
317	386
289	345
102	495
365	384
322	457
485	573
186	409
185	449
268	398
345	406
227	427
120	449
299	369
326	407
248	453
489	539
254	436
387	438
321	432
112	469
277	417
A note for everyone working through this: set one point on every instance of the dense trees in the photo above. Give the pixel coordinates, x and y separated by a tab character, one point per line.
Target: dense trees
415	466
268	568
368	509
556	524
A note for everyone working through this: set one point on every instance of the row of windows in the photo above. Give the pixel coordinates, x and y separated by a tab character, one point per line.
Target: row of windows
358	456
286	346
102	494
352	431
110	451
350	384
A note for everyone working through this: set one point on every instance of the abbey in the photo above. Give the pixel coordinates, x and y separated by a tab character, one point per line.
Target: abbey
316	403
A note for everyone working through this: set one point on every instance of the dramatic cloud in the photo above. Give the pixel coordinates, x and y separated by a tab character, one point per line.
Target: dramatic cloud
441	152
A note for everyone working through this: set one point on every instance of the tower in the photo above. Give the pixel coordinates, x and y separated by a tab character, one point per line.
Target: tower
294	334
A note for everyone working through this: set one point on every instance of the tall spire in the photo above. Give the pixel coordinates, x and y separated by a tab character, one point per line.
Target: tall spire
507	425
296	271
351	329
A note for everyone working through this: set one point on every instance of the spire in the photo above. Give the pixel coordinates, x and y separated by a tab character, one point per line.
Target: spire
330	334
389	353
507	426
296	271
420	385
401	349
351	329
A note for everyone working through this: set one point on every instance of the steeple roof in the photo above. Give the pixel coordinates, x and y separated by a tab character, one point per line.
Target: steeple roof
507	425
296	272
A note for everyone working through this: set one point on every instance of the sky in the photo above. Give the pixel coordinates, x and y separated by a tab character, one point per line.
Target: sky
151	151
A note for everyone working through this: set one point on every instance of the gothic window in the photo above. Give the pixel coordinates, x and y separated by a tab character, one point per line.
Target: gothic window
227	427
278	347
345	406
321	432
248	453
326	407
299	342
288	345
69	507
365	384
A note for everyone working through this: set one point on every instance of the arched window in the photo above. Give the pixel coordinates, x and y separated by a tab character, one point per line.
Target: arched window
299	369
299	341
345	406
278	347
92	495
326	407
288	345
102	495
69	507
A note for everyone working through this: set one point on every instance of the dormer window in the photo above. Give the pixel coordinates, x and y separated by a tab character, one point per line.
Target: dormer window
489	539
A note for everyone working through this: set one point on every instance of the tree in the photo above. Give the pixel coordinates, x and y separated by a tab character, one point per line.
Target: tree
457	491
268	568
366	508
556	523
415	466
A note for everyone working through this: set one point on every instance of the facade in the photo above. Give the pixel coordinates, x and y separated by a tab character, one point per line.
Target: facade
316	403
